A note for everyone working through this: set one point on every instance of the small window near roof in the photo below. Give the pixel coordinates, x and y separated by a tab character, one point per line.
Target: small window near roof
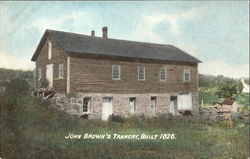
49	49
116	72
141	73
61	70
163	73
186	75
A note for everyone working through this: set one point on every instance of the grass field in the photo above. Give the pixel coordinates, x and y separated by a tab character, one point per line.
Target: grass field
33	130
30	128
209	97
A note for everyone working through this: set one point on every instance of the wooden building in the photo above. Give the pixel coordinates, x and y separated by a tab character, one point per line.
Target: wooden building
100	76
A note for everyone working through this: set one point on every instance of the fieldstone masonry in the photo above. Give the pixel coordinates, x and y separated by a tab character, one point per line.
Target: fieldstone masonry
73	104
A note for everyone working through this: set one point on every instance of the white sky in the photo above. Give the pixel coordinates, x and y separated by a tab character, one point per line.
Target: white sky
215	32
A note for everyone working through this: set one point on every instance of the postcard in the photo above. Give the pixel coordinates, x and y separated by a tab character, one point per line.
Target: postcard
124	79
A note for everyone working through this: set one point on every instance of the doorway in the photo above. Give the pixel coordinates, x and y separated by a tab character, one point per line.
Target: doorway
173	105
153	104
107	107
132	104
49	75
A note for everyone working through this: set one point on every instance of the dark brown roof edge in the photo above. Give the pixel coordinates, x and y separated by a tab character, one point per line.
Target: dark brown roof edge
46	33
149	60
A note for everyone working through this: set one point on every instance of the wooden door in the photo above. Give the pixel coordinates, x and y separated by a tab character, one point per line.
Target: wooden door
185	101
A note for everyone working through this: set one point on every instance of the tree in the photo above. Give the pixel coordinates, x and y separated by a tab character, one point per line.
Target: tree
17	87
227	91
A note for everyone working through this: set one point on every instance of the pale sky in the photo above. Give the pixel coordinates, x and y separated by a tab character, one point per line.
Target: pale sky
215	32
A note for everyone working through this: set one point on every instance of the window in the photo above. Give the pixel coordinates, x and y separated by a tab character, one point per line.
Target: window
39	73
61	70
186	75
86	104
132	104
49	50
141	73
116	72
163	74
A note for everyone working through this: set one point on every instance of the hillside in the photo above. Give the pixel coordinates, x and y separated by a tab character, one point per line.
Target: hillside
7	74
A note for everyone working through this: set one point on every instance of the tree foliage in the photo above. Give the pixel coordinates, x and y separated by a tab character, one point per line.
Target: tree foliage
227	91
210	81
9	74
6	75
17	87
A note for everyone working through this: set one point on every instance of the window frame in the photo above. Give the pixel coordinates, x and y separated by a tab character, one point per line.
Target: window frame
119	72
61	71
144	73
49	50
88	106
165	74
184	75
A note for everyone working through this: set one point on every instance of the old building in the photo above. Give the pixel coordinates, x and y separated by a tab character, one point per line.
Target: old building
100	76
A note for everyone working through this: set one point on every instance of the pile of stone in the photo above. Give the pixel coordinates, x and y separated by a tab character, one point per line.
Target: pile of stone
216	112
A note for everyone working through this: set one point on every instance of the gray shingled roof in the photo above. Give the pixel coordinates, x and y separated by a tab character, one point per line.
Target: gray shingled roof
78	43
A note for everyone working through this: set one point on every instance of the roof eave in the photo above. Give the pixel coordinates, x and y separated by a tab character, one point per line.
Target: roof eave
95	54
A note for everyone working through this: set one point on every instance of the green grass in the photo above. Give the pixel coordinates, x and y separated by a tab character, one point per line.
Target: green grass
209	97
37	131
243	99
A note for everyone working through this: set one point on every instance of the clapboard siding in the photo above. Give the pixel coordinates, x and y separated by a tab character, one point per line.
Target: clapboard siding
58	57
94	75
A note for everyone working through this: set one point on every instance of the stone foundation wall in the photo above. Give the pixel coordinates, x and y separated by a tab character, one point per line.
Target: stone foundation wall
73	103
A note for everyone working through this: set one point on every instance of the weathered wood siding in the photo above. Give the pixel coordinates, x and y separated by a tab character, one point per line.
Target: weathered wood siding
58	56
95	75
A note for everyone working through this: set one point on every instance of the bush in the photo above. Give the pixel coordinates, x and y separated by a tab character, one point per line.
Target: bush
236	116
167	116
243	99
116	118
17	87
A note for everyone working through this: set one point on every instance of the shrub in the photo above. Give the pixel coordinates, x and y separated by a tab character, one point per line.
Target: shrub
17	87
116	118
167	116
236	116
243	99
